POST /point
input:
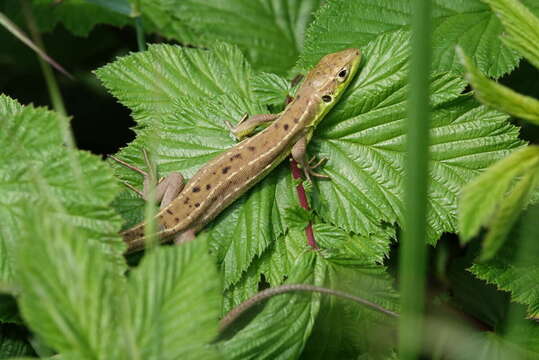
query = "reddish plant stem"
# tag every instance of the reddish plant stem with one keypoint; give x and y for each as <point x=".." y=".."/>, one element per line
<point x="296" y="174"/>
<point x="239" y="310"/>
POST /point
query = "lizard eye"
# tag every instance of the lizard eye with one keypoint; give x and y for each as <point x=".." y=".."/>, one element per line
<point x="341" y="76"/>
<point x="326" y="98"/>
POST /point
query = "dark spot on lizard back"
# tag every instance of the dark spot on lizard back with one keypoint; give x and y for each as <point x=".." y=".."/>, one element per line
<point x="225" y="169"/>
<point x="236" y="156"/>
<point x="196" y="189"/>
<point x="169" y="212"/>
<point x="197" y="204"/>
<point x="252" y="148"/>
<point x="186" y="200"/>
<point x="177" y="220"/>
<point x="208" y="187"/>
<point x="285" y="126"/>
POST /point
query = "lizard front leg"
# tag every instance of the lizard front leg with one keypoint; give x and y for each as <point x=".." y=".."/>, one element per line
<point x="248" y="124"/>
<point x="299" y="153"/>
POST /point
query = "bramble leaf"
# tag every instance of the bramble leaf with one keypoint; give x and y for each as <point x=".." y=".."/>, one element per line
<point x="174" y="305"/>
<point x="499" y="96"/>
<point x="69" y="290"/>
<point x="332" y="337"/>
<point x="281" y="329"/>
<point x="363" y="138"/>
<point x="496" y="197"/>
<point x="74" y="299"/>
<point x="468" y="23"/>
<point x="32" y="145"/>
<point x="78" y="16"/>
<point x="521" y="25"/>
<point x="271" y="89"/>
<point x="514" y="268"/>
<point x="275" y="27"/>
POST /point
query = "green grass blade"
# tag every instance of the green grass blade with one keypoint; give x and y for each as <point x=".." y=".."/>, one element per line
<point x="412" y="257"/>
<point x="19" y="34"/>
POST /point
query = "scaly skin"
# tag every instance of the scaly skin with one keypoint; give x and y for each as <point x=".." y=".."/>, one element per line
<point x="225" y="178"/>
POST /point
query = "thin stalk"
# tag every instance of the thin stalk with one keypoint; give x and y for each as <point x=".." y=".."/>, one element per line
<point x="413" y="247"/>
<point x="139" y="28"/>
<point x="55" y="96"/>
<point x="239" y="310"/>
<point x="52" y="85"/>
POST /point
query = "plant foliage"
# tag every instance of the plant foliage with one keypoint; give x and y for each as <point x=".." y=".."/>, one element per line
<point x="61" y="209"/>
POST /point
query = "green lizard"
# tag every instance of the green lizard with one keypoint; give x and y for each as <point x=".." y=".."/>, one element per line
<point x="224" y="179"/>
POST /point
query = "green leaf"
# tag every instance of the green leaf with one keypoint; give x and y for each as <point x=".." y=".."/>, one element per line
<point x="364" y="139"/>
<point x="174" y="305"/>
<point x="243" y="289"/>
<point x="297" y="217"/>
<point x="498" y="96"/>
<point x="31" y="144"/>
<point x="161" y="16"/>
<point x="515" y="268"/>
<point x="13" y="341"/>
<point x="275" y="28"/>
<point x="507" y="213"/>
<point x="345" y="329"/>
<point x="282" y="328"/>
<point x="149" y="82"/>
<point x="80" y="16"/>
<point x="74" y="299"/>
<point x="271" y="89"/>
<point x="279" y="260"/>
<point x="468" y="23"/>
<point x="521" y="26"/>
<point x="340" y="247"/>
<point x="68" y="289"/>
<point x="119" y="6"/>
<point x="495" y="198"/>
<point x="475" y="296"/>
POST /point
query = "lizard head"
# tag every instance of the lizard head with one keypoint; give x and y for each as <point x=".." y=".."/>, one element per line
<point x="330" y="77"/>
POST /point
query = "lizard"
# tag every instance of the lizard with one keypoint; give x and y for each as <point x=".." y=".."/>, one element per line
<point x="188" y="208"/>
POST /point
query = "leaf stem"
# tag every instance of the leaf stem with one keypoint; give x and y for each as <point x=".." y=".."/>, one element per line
<point x="239" y="310"/>
<point x="304" y="203"/>
<point x="139" y="28"/>
<point x="413" y="246"/>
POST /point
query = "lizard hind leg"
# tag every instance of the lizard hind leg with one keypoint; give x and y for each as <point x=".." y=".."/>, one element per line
<point x="166" y="190"/>
<point x="184" y="236"/>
